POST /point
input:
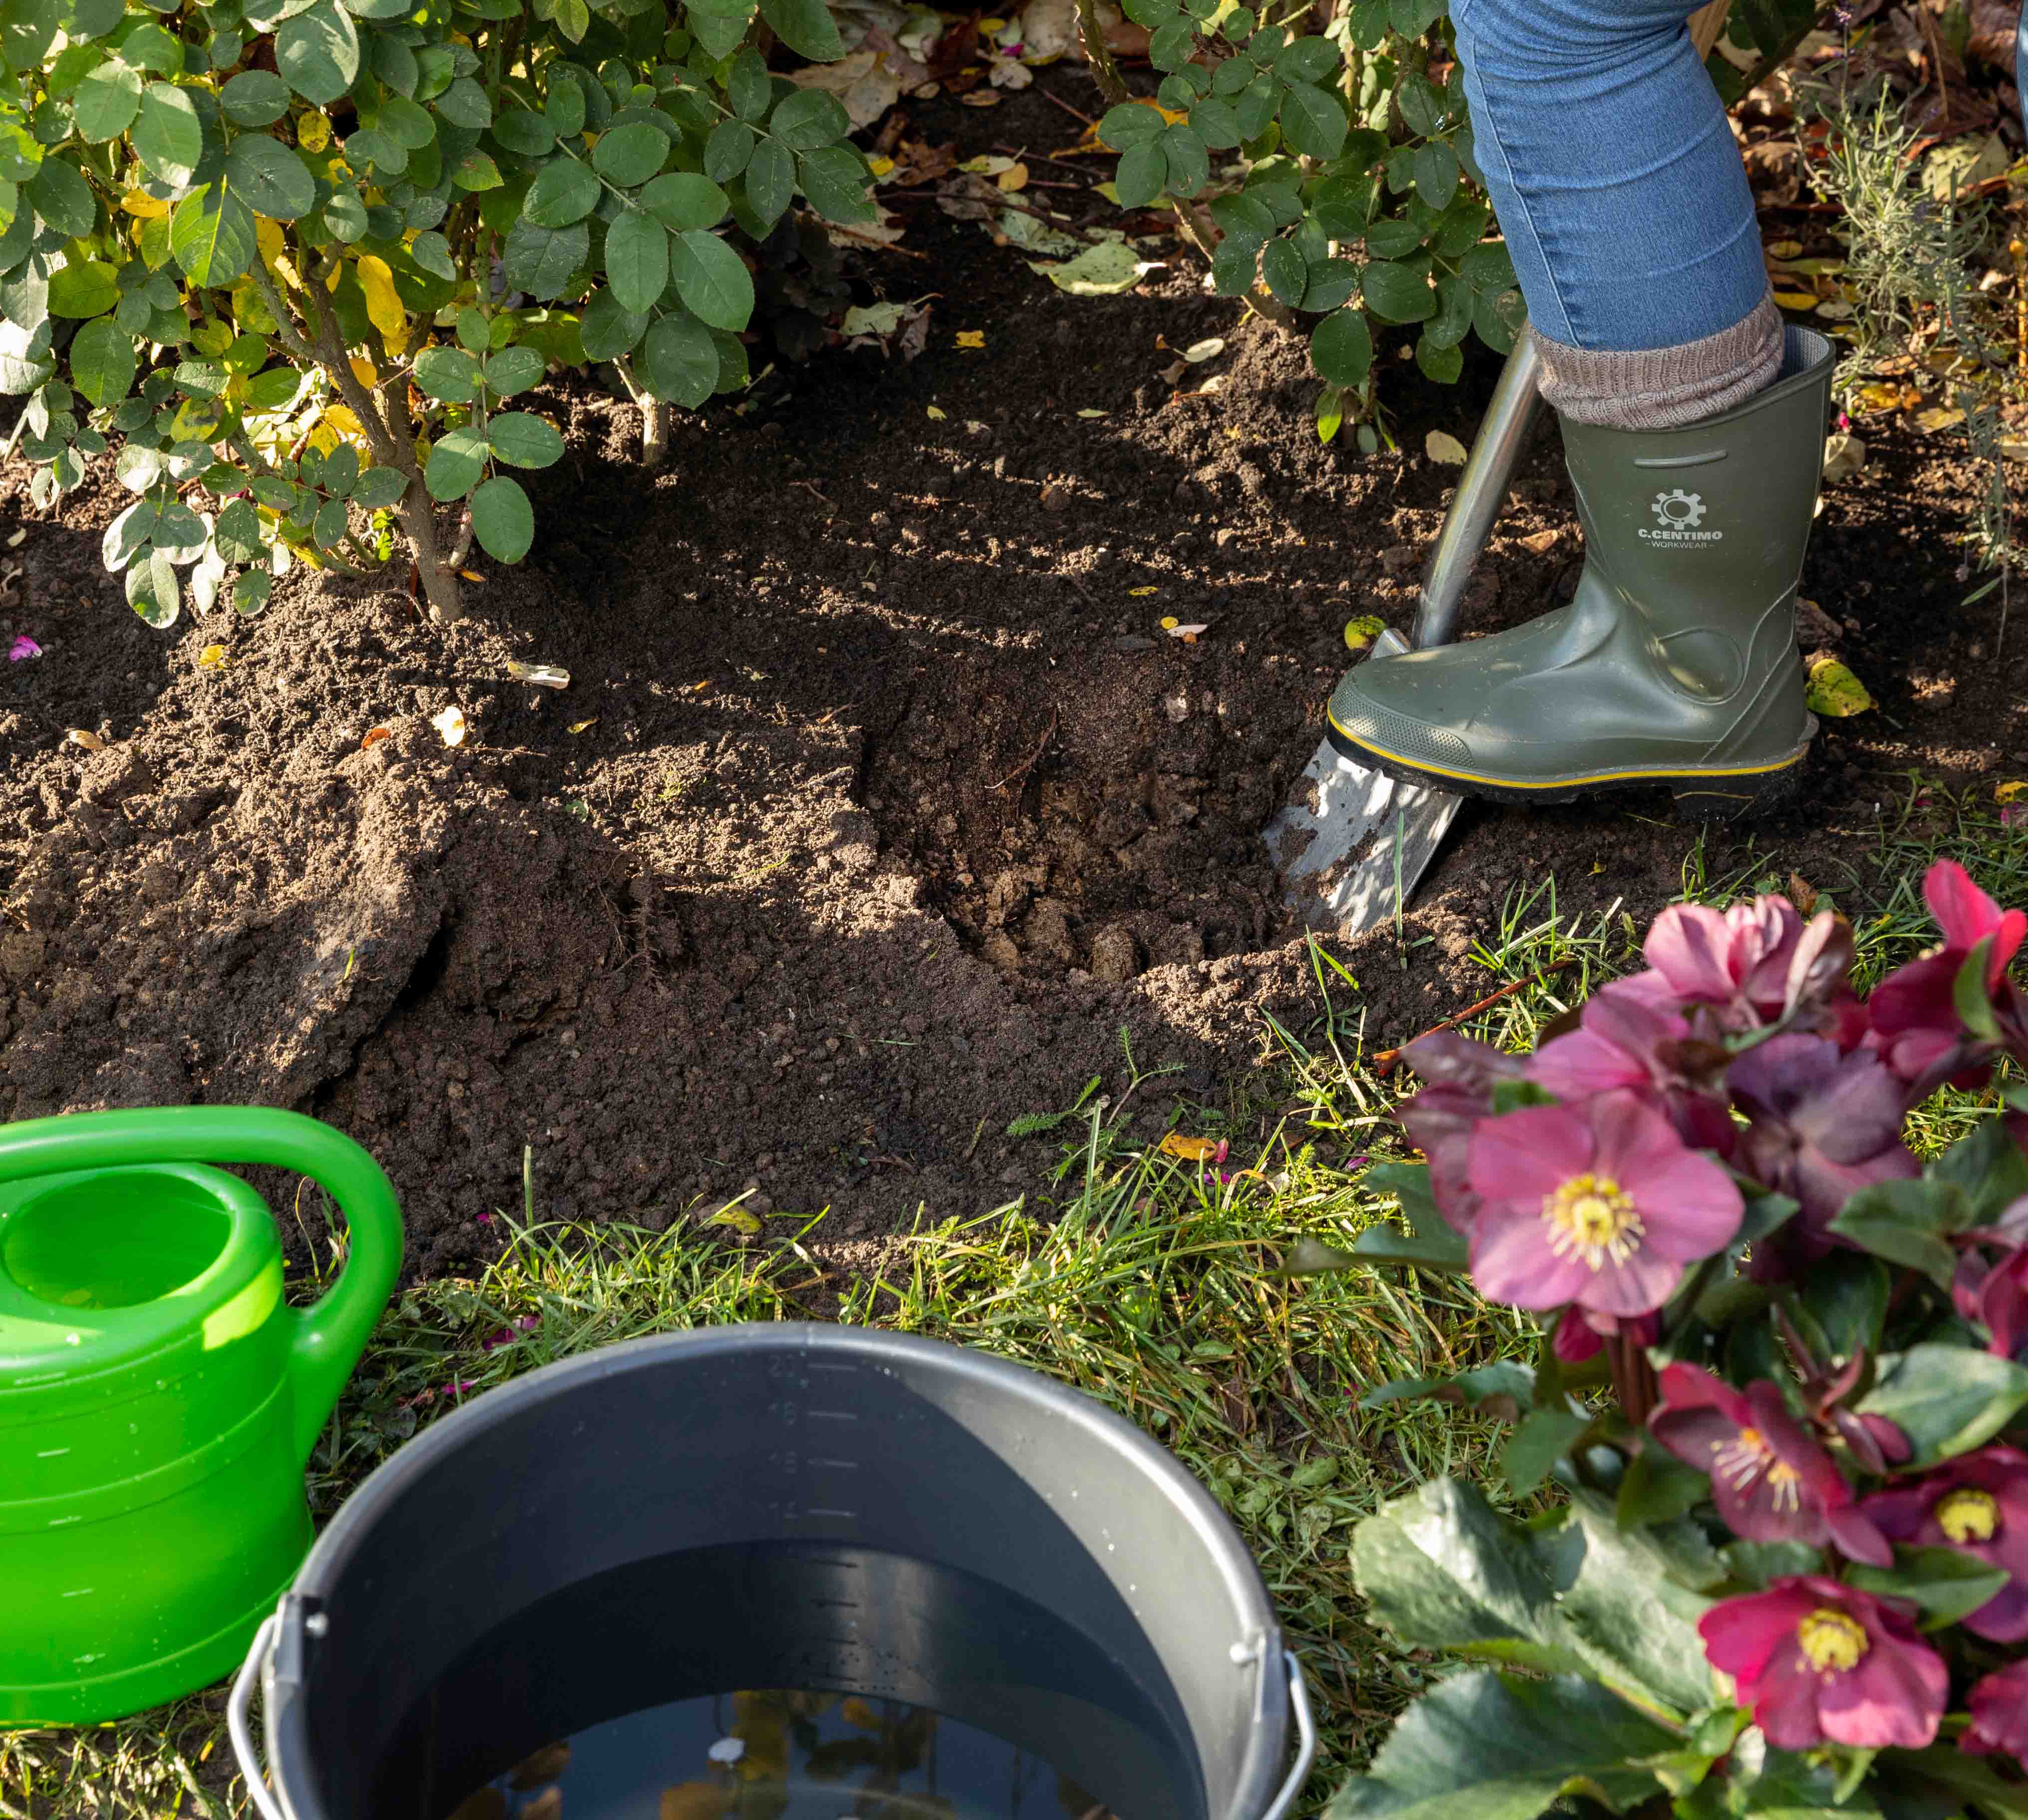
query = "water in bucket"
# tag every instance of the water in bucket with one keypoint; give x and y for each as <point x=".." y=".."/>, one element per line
<point x="775" y="1756"/>
<point x="985" y="1717"/>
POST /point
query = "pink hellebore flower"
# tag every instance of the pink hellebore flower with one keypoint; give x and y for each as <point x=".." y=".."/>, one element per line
<point x="1999" y="1713"/>
<point x="1578" y="1335"/>
<point x="23" y="649"/>
<point x="1461" y="1074"/>
<point x="1735" y="960"/>
<point x="1825" y="1124"/>
<point x="1977" y="1504"/>
<point x="1995" y="1296"/>
<point x="1915" y="1020"/>
<point x="1770" y="1480"/>
<point x="1598" y="1203"/>
<point x="1816" y="1659"/>
<point x="1626" y="1039"/>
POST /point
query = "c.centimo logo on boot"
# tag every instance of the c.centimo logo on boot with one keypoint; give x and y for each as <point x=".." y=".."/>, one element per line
<point x="1679" y="514"/>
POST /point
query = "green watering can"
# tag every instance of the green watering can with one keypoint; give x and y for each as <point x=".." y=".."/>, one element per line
<point x="158" y="1402"/>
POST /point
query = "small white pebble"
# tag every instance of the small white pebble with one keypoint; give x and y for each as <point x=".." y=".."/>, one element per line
<point x="727" y="1750"/>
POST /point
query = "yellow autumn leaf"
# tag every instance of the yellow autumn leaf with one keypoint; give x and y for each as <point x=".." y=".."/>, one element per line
<point x="364" y="371"/>
<point x="1190" y="1149"/>
<point x="880" y="167"/>
<point x="1784" y="248"/>
<point x="1795" y="299"/>
<point x="936" y="415"/>
<point x="1013" y="179"/>
<point x="2006" y="793"/>
<point x="1169" y="622"/>
<point x="1938" y="417"/>
<point x="1880" y="397"/>
<point x="1139" y="594"/>
<point x="313" y="132"/>
<point x="738" y="1219"/>
<point x="580" y="726"/>
<point x="143" y="207"/>
<point x="340" y="420"/>
<point x="211" y="656"/>
<point x="1834" y="691"/>
<point x="84" y="737"/>
<point x="383" y="307"/>
<point x="1361" y="632"/>
<point x="971" y="337"/>
<point x="693" y="1801"/>
<point x="450" y="726"/>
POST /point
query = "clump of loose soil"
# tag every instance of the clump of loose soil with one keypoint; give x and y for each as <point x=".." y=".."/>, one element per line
<point x="879" y="805"/>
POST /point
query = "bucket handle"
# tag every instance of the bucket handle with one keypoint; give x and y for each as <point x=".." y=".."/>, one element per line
<point x="241" y="1731"/>
<point x="261" y="1656"/>
<point x="1306" y="1744"/>
<point x="330" y="1335"/>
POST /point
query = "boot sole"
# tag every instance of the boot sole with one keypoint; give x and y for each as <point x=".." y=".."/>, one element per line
<point x="1722" y="794"/>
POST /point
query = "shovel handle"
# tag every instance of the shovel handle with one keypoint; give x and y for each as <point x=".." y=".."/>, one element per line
<point x="1495" y="452"/>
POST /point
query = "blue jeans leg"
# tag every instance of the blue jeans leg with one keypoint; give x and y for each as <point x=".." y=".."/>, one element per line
<point x="1612" y="169"/>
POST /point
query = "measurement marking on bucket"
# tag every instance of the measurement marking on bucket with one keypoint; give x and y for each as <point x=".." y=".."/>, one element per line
<point x="837" y="1465"/>
<point x="833" y="1415"/>
<point x="844" y="1516"/>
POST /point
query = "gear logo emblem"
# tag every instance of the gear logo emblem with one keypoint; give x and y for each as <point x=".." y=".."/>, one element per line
<point x="1677" y="510"/>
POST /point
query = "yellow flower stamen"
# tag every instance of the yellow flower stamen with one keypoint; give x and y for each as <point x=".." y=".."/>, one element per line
<point x="1746" y="1457"/>
<point x="1966" y="1515"/>
<point x="1592" y="1217"/>
<point x="1833" y="1642"/>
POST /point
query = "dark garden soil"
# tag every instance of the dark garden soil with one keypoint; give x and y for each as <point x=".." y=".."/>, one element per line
<point x="879" y="804"/>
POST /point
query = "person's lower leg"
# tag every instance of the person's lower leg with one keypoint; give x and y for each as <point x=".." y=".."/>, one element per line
<point x="1617" y="183"/>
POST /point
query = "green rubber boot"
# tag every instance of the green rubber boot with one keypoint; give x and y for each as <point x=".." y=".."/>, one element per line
<point x="1676" y="662"/>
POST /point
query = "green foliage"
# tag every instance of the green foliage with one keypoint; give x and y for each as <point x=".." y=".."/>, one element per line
<point x="297" y="258"/>
<point x="1354" y="199"/>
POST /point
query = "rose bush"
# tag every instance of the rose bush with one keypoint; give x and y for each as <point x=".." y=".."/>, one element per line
<point x="1777" y="1385"/>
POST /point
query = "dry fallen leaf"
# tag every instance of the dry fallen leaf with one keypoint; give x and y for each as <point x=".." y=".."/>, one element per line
<point x="375" y="735"/>
<point x="1802" y="894"/>
<point x="1833" y="690"/>
<point x="1441" y="446"/>
<point x="580" y="726"/>
<point x="980" y="97"/>
<point x="211" y="656"/>
<point x="1013" y="179"/>
<point x="1091" y="413"/>
<point x="20" y="538"/>
<point x="1795" y="299"/>
<point x="1843" y="456"/>
<point x="450" y="724"/>
<point x="90" y="742"/>
<point x="1540" y="543"/>
<point x="1170" y="621"/>
<point x="1190" y="1149"/>
<point x="971" y="337"/>
<point x="936" y="415"/>
<point x="2006" y="793"/>
<point x="541" y="676"/>
<point x="693" y="1801"/>
<point x="472" y="575"/>
<point x="738" y="1219"/>
<point x="1139" y="594"/>
<point x="1361" y="632"/>
<point x="1188" y="634"/>
<point x="1938" y="417"/>
<point x="1209" y="349"/>
<point x="1784" y="248"/>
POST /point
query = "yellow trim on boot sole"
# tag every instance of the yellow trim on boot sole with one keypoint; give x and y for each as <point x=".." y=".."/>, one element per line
<point x="1664" y="775"/>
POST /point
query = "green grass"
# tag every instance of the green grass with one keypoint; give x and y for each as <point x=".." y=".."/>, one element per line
<point x="1127" y="1273"/>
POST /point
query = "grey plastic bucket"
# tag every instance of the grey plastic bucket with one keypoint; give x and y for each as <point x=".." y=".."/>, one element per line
<point x="916" y="1465"/>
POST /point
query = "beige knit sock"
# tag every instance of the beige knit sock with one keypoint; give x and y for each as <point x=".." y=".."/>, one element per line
<point x="1661" y="388"/>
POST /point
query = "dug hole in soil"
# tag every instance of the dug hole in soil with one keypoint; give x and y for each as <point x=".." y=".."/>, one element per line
<point x="879" y="804"/>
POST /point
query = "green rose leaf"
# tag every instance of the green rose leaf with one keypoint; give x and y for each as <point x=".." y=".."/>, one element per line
<point x="608" y="331"/>
<point x="834" y="177"/>
<point x="523" y="131"/>
<point x="1501" y="1390"/>
<point x="810" y="118"/>
<point x="465" y="104"/>
<point x="85" y="287"/>
<point x="563" y="192"/>
<point x="254" y="97"/>
<point x="449" y="374"/>
<point x="1422" y="104"/>
<point x="1947" y="1400"/>
<point x="378" y="488"/>
<point x="238" y="531"/>
<point x="345" y="216"/>
<point x="1131" y="123"/>
<point x="1497" y="318"/>
<point x="317" y="52"/>
<point x="455" y="464"/>
<point x="1396" y="293"/>
<point x="1490" y="266"/>
<point x="153" y="590"/>
<point x="727" y="150"/>
<point x="273" y="179"/>
<point x="679" y="360"/>
<point x="541" y="261"/>
<point x="62" y="197"/>
<point x="770" y="182"/>
<point x="1313" y="120"/>
<point x="806" y="27"/>
<point x="106" y="101"/>
<point x="1498" y="1748"/>
<point x="1905" y="1223"/>
<point x="211" y="234"/>
<point x="630" y="155"/>
<point x="250" y="593"/>
<point x="1143" y="174"/>
<point x="513" y="370"/>
<point x="637" y="260"/>
<point x="1331" y="283"/>
<point x="1437" y="174"/>
<point x="681" y="200"/>
<point x="502" y="519"/>
<point x="167" y="137"/>
<point x="712" y="280"/>
<point x="524" y="439"/>
<point x="1286" y="272"/>
<point x="103" y="361"/>
<point x="1306" y="60"/>
<point x="1189" y="163"/>
<point x="749" y="86"/>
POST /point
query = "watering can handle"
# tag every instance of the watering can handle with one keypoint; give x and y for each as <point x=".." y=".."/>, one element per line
<point x="329" y="1336"/>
